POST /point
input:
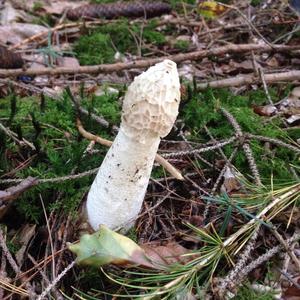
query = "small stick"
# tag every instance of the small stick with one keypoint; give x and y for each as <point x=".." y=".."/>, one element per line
<point x="262" y="76"/>
<point x="54" y="179"/>
<point x="12" y="262"/>
<point x="241" y="80"/>
<point x="14" y="191"/>
<point x="201" y="150"/>
<point x="164" y="163"/>
<point x="57" y="294"/>
<point x="50" y="238"/>
<point x="262" y="258"/>
<point x="286" y="247"/>
<point x="245" y="145"/>
<point x="56" y="280"/>
<point x="13" y="136"/>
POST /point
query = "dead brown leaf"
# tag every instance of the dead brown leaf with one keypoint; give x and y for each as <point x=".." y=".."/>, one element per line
<point x="231" y="183"/>
<point x="266" y="110"/>
<point x="292" y="292"/>
<point x="168" y="254"/>
<point x="26" y="235"/>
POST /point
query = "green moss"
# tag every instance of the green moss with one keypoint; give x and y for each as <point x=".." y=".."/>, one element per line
<point x="107" y="106"/>
<point x="12" y="246"/>
<point x="182" y="45"/>
<point x="177" y="3"/>
<point x="151" y="35"/>
<point x="100" y="45"/>
<point x="60" y="148"/>
<point x="45" y="19"/>
<point x="94" y="49"/>
<point x="247" y="293"/>
<point x="203" y="109"/>
<point x="158" y="172"/>
<point x="37" y="6"/>
<point x="255" y="2"/>
<point x="132" y="234"/>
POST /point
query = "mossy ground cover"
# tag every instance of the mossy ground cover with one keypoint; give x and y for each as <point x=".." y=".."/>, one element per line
<point x="60" y="150"/>
<point x="50" y="125"/>
<point x="246" y="292"/>
<point x="203" y="110"/>
<point x="100" y="45"/>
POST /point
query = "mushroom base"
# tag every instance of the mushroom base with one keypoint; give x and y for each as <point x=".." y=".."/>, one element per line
<point x="118" y="191"/>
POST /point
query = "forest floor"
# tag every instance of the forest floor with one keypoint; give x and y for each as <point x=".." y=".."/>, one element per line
<point x="230" y="229"/>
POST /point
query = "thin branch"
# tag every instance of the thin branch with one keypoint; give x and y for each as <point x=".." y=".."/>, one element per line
<point x="273" y="141"/>
<point x="14" y="191"/>
<point x="200" y="150"/>
<point x="286" y="247"/>
<point x="13" y="263"/>
<point x="241" y="80"/>
<point x="57" y="294"/>
<point x="13" y="136"/>
<point x="249" y="23"/>
<point x="289" y="278"/>
<point x="262" y="77"/>
<point x="230" y="279"/>
<point x="56" y="281"/>
<point x="265" y="257"/>
<point x="164" y="163"/>
<point x="220" y="177"/>
<point x="50" y="238"/>
<point x="55" y="179"/>
<point x="245" y="146"/>
<point x="145" y="63"/>
<point x="7" y="254"/>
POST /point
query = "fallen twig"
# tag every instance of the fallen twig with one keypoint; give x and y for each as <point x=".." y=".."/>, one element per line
<point x="56" y="280"/>
<point x="13" y="136"/>
<point x="214" y="146"/>
<point x="250" y="79"/>
<point x="230" y="279"/>
<point x="265" y="257"/>
<point x="245" y="145"/>
<point x="44" y="34"/>
<point x="57" y="294"/>
<point x="55" y="179"/>
<point x="13" y="263"/>
<point x="145" y="63"/>
<point x="286" y="247"/>
<point x="273" y="141"/>
<point x="14" y="191"/>
<point x="164" y="163"/>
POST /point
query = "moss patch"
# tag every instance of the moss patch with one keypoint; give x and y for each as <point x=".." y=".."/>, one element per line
<point x="203" y="110"/>
<point x="100" y="45"/>
<point x="246" y="293"/>
<point x="60" y="148"/>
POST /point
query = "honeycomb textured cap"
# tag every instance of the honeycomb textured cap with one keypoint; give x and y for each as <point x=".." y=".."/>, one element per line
<point x="151" y="103"/>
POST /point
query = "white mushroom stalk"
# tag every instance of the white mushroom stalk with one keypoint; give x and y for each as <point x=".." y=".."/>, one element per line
<point x="149" y="111"/>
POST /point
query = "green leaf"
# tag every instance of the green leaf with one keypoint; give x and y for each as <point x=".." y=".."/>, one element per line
<point x="211" y="9"/>
<point x="108" y="247"/>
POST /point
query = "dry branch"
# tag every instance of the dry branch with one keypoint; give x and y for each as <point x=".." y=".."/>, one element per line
<point x="250" y="79"/>
<point x="145" y="63"/>
<point x="163" y="162"/>
<point x="14" y="191"/>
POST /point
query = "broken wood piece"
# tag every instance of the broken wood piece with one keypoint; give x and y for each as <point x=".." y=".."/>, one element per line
<point x="14" y="191"/>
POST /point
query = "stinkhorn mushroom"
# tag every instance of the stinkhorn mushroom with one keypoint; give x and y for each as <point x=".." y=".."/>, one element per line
<point x="150" y="109"/>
